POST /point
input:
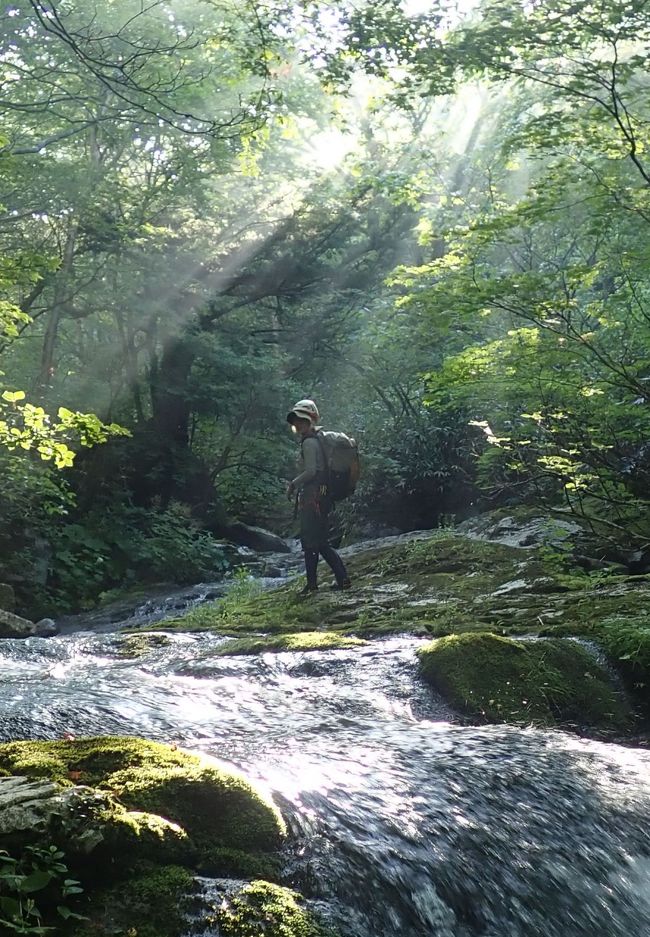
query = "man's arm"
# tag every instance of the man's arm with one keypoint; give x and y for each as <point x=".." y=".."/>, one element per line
<point x="310" y="464"/>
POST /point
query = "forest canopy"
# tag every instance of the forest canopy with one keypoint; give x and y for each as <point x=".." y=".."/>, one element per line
<point x="430" y="217"/>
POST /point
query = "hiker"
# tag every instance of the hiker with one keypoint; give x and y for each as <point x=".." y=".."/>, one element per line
<point x="314" y="498"/>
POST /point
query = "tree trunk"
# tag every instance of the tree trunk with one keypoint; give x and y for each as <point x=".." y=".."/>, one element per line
<point x="61" y="291"/>
<point x="169" y="392"/>
<point x="171" y="416"/>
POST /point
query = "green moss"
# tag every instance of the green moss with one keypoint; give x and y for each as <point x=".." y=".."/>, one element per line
<point x="218" y="862"/>
<point x="151" y="903"/>
<point x="263" y="908"/>
<point x="136" y="835"/>
<point x="137" y="645"/>
<point x="272" y="612"/>
<point x="547" y="682"/>
<point x="300" y="641"/>
<point x="447" y="568"/>
<point x="195" y="792"/>
<point x="214" y="806"/>
<point x="88" y="761"/>
<point x="625" y="641"/>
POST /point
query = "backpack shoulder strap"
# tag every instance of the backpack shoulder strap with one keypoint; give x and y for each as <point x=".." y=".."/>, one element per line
<point x="321" y="443"/>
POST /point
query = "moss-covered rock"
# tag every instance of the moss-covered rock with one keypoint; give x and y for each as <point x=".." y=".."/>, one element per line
<point x="625" y="641"/>
<point x="144" y="810"/>
<point x="397" y="586"/>
<point x="153" y="902"/>
<point x="444" y="584"/>
<point x="545" y="682"/>
<point x="299" y="641"/>
<point x="209" y="802"/>
<point x="133" y="646"/>
<point x="84" y="821"/>
<point x="263" y="908"/>
<point x="214" y="806"/>
<point x="154" y="801"/>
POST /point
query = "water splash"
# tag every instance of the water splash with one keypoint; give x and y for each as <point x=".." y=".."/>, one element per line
<point x="405" y="825"/>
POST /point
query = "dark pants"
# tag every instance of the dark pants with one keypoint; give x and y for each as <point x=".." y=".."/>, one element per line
<point x="315" y="509"/>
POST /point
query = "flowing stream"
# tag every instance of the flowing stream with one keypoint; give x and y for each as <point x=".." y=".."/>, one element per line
<point x="404" y="824"/>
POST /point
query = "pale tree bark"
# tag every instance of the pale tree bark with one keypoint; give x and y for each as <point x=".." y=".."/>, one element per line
<point x="61" y="295"/>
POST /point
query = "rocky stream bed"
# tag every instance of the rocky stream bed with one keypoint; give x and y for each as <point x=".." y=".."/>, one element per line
<point x="456" y="747"/>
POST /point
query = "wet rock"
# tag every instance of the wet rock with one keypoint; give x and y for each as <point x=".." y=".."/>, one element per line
<point x="520" y="529"/>
<point x="35" y="809"/>
<point x="543" y="585"/>
<point x="376" y="531"/>
<point x="385" y="543"/>
<point x="46" y="628"/>
<point x="638" y="561"/>
<point x="256" y="538"/>
<point x="13" y="626"/>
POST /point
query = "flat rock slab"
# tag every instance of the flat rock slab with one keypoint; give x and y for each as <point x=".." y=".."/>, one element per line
<point x="382" y="543"/>
<point x="519" y="532"/>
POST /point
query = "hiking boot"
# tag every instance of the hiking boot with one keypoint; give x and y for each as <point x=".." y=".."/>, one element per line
<point x="308" y="590"/>
<point x="340" y="586"/>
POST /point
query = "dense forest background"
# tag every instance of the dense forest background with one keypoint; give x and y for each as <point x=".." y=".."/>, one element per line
<point x="432" y="219"/>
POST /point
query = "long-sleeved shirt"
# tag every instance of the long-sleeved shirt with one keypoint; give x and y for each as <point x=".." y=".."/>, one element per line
<point x="313" y="463"/>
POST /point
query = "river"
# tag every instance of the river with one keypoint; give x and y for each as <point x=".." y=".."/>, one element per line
<point x="405" y="824"/>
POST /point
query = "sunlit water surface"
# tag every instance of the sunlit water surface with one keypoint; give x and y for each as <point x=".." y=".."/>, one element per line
<point x="404" y="825"/>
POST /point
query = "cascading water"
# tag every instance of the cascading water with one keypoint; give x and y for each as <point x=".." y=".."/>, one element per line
<point x="405" y="825"/>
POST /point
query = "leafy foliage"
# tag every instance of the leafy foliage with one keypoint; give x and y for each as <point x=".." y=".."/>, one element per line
<point x="467" y="293"/>
<point x="39" y="875"/>
<point x="119" y="544"/>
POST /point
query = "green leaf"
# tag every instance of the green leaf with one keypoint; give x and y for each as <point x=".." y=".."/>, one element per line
<point x="36" y="881"/>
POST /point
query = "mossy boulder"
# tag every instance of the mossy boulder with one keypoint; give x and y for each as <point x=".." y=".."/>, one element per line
<point x="133" y="646"/>
<point x="159" y="815"/>
<point x="83" y="820"/>
<point x="212" y="804"/>
<point x="153" y="902"/>
<point x="264" y="908"/>
<point x="543" y="682"/>
<point x="626" y="642"/>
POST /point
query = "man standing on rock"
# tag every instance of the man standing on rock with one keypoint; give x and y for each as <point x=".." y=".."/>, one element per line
<point x="314" y="501"/>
